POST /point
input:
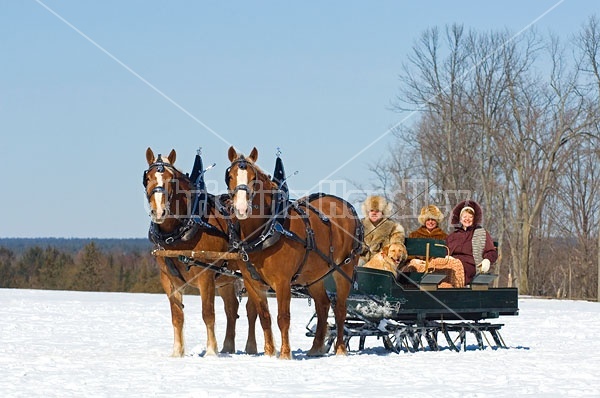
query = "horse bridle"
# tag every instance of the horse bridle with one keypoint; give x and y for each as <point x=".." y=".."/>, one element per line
<point x="242" y="164"/>
<point x="160" y="167"/>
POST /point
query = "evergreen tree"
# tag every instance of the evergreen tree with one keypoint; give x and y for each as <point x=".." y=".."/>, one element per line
<point x="7" y="272"/>
<point x="88" y="276"/>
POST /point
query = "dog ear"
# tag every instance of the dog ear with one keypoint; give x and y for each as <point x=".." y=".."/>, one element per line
<point x="385" y="249"/>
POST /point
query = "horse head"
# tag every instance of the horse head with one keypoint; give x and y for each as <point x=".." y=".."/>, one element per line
<point x="161" y="184"/>
<point x="245" y="180"/>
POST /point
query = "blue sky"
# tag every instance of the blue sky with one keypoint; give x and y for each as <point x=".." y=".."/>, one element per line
<point x="87" y="86"/>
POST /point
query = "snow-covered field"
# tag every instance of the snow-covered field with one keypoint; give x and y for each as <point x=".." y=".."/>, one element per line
<point x="80" y="344"/>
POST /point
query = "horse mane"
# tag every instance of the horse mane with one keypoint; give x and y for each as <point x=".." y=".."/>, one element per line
<point x="178" y="174"/>
<point x="265" y="178"/>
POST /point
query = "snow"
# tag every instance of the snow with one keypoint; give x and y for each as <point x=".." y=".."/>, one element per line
<point x="83" y="344"/>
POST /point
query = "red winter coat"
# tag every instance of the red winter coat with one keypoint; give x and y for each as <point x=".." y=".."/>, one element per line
<point x="460" y="242"/>
<point x="460" y="245"/>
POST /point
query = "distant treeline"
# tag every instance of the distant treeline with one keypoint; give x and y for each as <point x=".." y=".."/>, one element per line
<point x="73" y="245"/>
<point x="111" y="265"/>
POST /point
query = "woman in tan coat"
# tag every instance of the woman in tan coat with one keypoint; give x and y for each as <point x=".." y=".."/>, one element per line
<point x="430" y="219"/>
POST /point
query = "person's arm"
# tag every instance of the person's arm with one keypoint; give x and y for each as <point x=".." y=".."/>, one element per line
<point x="397" y="235"/>
<point x="489" y="250"/>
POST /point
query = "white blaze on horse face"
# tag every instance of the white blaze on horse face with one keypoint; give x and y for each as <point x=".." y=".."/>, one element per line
<point x="159" y="200"/>
<point x="240" y="199"/>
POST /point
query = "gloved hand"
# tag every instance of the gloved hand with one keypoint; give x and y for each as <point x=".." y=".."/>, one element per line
<point x="484" y="266"/>
<point x="449" y="258"/>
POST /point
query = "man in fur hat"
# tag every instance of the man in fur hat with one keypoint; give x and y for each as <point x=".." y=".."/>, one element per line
<point x="430" y="219"/>
<point x="470" y="242"/>
<point x="380" y="230"/>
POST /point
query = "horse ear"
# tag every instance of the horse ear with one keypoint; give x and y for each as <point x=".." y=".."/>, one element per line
<point x="253" y="155"/>
<point x="232" y="154"/>
<point x="149" y="156"/>
<point x="172" y="156"/>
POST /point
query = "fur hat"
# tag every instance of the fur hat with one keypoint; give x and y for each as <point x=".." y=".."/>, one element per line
<point x="467" y="204"/>
<point x="430" y="212"/>
<point x="376" y="202"/>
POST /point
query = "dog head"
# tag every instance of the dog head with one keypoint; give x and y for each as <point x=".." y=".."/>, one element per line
<point x="397" y="253"/>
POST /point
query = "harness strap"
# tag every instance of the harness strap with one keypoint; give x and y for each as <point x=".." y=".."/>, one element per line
<point x="173" y="270"/>
<point x="222" y="270"/>
<point x="183" y="232"/>
<point x="187" y="229"/>
<point x="310" y="236"/>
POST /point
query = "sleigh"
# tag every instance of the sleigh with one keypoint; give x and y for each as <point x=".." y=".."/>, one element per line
<point x="411" y="312"/>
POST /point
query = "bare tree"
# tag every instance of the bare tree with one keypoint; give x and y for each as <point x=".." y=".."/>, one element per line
<point x="588" y="42"/>
<point x="432" y="85"/>
<point x="492" y="123"/>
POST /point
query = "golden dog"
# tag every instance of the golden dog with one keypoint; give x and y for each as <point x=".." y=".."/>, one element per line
<point x="389" y="258"/>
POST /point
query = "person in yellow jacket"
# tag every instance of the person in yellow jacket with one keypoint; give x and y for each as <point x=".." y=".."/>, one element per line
<point x="379" y="229"/>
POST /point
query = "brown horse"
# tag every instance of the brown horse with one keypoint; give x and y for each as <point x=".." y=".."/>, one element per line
<point x="292" y="244"/>
<point x="171" y="200"/>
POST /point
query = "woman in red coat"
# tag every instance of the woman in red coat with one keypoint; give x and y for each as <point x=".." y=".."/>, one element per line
<point x="470" y="242"/>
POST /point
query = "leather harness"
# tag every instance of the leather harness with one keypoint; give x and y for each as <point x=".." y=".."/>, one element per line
<point x="274" y="229"/>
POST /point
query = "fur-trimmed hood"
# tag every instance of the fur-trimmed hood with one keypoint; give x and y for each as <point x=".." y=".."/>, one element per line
<point x="477" y="219"/>
<point x="430" y="212"/>
<point x="377" y="202"/>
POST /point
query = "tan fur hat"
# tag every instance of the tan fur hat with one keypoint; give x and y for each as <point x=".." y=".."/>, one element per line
<point x="376" y="202"/>
<point x="430" y="212"/>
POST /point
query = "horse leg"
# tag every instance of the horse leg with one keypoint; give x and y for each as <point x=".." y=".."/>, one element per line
<point x="206" y="285"/>
<point x="176" y="303"/>
<point x="261" y="306"/>
<point x="284" y="297"/>
<point x="342" y="291"/>
<point x="229" y="295"/>
<point x="322" y="305"/>
<point x="252" y="314"/>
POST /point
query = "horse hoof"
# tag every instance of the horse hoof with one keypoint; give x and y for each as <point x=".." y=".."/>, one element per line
<point x="212" y="352"/>
<point x="315" y="353"/>
<point x="269" y="352"/>
<point x="251" y="350"/>
<point x="228" y="349"/>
